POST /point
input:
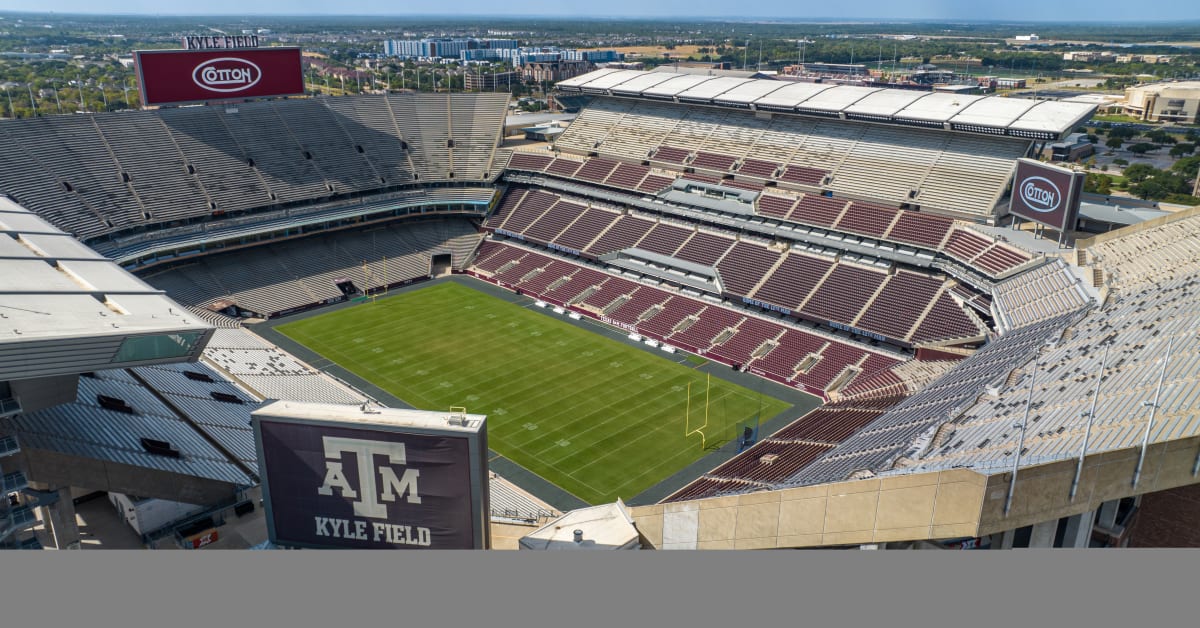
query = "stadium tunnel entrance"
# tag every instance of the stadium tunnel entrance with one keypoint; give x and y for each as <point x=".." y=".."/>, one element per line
<point x="347" y="287"/>
<point x="440" y="264"/>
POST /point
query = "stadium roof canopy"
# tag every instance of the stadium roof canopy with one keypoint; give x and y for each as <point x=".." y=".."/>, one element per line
<point x="638" y="84"/>
<point x="988" y="115"/>
<point x="55" y="290"/>
<point x="748" y="92"/>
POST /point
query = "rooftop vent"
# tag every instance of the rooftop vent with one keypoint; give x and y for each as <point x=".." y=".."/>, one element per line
<point x="226" y="397"/>
<point x="115" y="404"/>
<point x="159" y="448"/>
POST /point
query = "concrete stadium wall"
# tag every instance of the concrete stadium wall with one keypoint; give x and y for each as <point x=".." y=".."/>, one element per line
<point x="920" y="506"/>
<point x="943" y="504"/>
<point x="1138" y="228"/>
<point x="1043" y="492"/>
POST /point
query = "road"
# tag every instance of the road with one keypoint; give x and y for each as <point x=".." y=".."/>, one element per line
<point x="1138" y="126"/>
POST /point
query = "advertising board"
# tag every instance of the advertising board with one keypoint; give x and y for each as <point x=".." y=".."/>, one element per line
<point x="168" y="77"/>
<point x="1046" y="194"/>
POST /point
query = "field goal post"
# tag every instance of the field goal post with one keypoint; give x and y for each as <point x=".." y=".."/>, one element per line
<point x="688" y="414"/>
<point x="370" y="275"/>
<point x="367" y="274"/>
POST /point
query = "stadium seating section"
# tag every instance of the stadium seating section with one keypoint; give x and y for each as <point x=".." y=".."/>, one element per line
<point x="903" y="305"/>
<point x="924" y="167"/>
<point x="956" y="240"/>
<point x="94" y="175"/>
<point x="779" y="456"/>
<point x="267" y="280"/>
<point x="1039" y="294"/>
<point x="771" y="348"/>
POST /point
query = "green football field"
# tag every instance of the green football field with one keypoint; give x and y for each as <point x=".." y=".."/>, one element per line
<point x="597" y="417"/>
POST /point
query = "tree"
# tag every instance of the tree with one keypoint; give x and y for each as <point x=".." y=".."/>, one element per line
<point x="1179" y="150"/>
<point x="1141" y="148"/>
<point x="1097" y="183"/>
<point x="1120" y="162"/>
<point x="1093" y="138"/>
<point x="1114" y="142"/>
<point x="1148" y="189"/>
<point x="1122" y="132"/>
<point x="1187" y="167"/>
<point x="1160" y="136"/>
<point x="1140" y="172"/>
<point x="1152" y="184"/>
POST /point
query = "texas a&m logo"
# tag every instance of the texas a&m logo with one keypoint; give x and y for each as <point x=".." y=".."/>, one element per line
<point x="369" y="501"/>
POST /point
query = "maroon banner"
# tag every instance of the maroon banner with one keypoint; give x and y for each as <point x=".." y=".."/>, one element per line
<point x="1046" y="194"/>
<point x="168" y="77"/>
<point x="197" y="541"/>
<point x="347" y="488"/>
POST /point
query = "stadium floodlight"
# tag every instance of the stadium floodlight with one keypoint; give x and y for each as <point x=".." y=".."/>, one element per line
<point x="1012" y="482"/>
<point x="1153" y="405"/>
<point x="1091" y="417"/>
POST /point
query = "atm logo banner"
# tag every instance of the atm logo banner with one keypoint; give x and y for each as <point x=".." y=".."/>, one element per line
<point x="358" y="488"/>
<point x="187" y="76"/>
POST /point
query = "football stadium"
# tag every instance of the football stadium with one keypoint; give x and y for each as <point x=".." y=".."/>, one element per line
<point x="713" y="313"/>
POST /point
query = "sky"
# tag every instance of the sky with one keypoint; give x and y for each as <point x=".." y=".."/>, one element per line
<point x="1008" y="10"/>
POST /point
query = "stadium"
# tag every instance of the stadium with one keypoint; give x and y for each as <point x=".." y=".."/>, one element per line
<point x="715" y="313"/>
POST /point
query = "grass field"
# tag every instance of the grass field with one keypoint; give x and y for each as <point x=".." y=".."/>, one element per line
<point x="681" y="52"/>
<point x="597" y="417"/>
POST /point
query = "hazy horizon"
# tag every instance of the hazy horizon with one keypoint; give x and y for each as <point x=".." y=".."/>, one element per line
<point x="1015" y="11"/>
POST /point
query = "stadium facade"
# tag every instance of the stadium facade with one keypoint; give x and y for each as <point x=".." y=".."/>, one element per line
<point x="833" y="239"/>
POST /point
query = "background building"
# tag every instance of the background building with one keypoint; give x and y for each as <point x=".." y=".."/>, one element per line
<point x="1074" y="148"/>
<point x="445" y="47"/>
<point x="560" y="70"/>
<point x="490" y="81"/>
<point x="1164" y="102"/>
